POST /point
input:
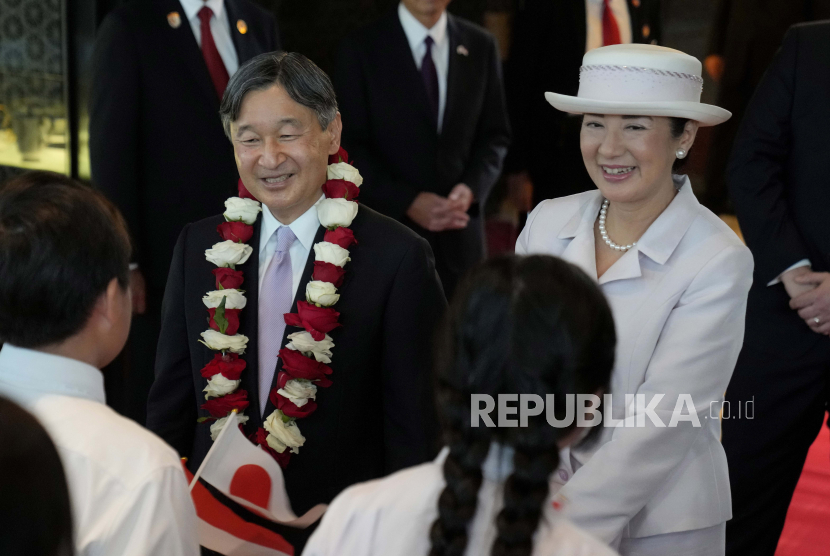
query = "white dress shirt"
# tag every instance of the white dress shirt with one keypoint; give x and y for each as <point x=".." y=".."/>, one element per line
<point x="304" y="228"/>
<point x="416" y="33"/>
<point x="679" y="303"/>
<point x="593" y="13"/>
<point x="129" y="493"/>
<point x="220" y="28"/>
<point x="393" y="516"/>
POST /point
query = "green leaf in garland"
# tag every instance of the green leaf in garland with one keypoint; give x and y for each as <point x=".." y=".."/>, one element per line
<point x="201" y="420"/>
<point x="219" y="316"/>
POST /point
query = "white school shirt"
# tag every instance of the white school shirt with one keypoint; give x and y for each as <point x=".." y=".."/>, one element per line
<point x="220" y="28"/>
<point x="304" y="228"/>
<point x="393" y="516"/>
<point x="128" y="490"/>
<point x="593" y="15"/>
<point x="416" y="33"/>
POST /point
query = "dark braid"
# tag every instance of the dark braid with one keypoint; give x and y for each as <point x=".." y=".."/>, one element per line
<point x="526" y="325"/>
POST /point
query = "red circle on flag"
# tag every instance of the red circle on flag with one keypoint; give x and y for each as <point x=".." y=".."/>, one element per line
<point x="252" y="483"/>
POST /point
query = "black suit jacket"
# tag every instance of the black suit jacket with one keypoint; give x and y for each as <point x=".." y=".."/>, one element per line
<point x="777" y="177"/>
<point x="389" y="132"/>
<point x="548" y="45"/>
<point x="378" y="415"/>
<point x="156" y="141"/>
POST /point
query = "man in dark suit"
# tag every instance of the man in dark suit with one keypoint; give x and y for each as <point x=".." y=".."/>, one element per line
<point x="156" y="143"/>
<point x="377" y="416"/>
<point x="424" y="117"/>
<point x="549" y="41"/>
<point x="744" y="39"/>
<point x="778" y="394"/>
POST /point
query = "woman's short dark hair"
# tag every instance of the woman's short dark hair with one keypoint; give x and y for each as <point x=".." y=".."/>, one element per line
<point x="517" y="325"/>
<point x="61" y="244"/>
<point x="35" y="513"/>
<point x="302" y="80"/>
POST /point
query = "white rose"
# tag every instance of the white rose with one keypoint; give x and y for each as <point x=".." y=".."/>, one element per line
<point x="221" y="342"/>
<point x="287" y="434"/>
<point x="344" y="171"/>
<point x="234" y="299"/>
<point x="229" y="252"/>
<point x="245" y="210"/>
<point x="302" y="341"/>
<point x="322" y="293"/>
<point x="331" y="253"/>
<point x="218" y="386"/>
<point x="219" y="424"/>
<point x="299" y="391"/>
<point x="336" y="212"/>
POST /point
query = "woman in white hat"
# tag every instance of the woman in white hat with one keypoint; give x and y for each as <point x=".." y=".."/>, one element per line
<point x="677" y="279"/>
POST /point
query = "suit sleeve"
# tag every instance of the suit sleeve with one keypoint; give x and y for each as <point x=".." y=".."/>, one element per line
<point x="756" y="174"/>
<point x="381" y="190"/>
<point x="695" y="355"/>
<point x="413" y="309"/>
<point x="171" y="411"/>
<point x="492" y="133"/>
<point x="114" y="119"/>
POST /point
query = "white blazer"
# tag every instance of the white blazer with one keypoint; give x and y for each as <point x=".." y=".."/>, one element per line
<point x="679" y="302"/>
<point x="393" y="516"/>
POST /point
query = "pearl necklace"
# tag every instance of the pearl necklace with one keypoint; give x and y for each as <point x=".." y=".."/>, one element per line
<point x="604" y="233"/>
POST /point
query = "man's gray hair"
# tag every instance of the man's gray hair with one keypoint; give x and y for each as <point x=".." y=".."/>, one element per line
<point x="304" y="82"/>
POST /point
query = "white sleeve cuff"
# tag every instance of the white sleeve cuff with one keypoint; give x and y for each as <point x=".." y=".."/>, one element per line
<point x="799" y="264"/>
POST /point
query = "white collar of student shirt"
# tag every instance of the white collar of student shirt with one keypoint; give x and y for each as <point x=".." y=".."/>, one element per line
<point x="39" y="373"/>
<point x="657" y="243"/>
<point x="191" y="8"/>
<point x="415" y="30"/>
<point x="304" y="228"/>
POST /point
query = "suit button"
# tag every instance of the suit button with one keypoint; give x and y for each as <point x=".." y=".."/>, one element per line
<point x="563" y="474"/>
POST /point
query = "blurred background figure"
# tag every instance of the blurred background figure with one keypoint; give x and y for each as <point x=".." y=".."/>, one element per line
<point x="157" y="146"/>
<point x="744" y="38"/>
<point x="549" y="40"/>
<point x="778" y="180"/>
<point x="424" y="118"/>
<point x="518" y="325"/>
<point x="35" y="513"/>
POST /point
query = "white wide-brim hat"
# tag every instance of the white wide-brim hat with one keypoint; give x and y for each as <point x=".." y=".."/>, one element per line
<point x="640" y="80"/>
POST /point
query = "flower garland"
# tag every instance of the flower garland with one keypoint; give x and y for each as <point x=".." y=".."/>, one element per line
<point x="306" y="357"/>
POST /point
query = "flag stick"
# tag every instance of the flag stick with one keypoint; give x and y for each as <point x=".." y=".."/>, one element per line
<point x="231" y="420"/>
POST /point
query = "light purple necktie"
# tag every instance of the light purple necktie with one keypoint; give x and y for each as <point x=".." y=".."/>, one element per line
<point x="430" y="76"/>
<point x="275" y="299"/>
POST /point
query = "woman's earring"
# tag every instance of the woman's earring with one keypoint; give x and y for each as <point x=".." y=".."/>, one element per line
<point x="681" y="153"/>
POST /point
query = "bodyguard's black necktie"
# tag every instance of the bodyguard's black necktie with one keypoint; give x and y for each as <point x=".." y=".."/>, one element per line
<point x="430" y="77"/>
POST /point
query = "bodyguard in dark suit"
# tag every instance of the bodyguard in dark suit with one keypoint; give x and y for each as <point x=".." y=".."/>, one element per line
<point x="377" y="415"/>
<point x="156" y="143"/>
<point x="778" y="180"/>
<point x="426" y="124"/>
<point x="549" y="41"/>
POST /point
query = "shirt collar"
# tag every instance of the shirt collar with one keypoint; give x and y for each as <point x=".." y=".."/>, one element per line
<point x="416" y="32"/>
<point x="304" y="228"/>
<point x="664" y="234"/>
<point x="28" y="372"/>
<point x="191" y="7"/>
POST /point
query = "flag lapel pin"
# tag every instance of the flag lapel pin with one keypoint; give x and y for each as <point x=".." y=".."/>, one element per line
<point x="174" y="20"/>
<point x="241" y="26"/>
<point x="462" y="50"/>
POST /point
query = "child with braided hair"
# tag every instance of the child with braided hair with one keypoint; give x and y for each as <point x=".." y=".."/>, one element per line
<point x="518" y="325"/>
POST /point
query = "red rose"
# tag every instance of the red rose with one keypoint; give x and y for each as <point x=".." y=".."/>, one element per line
<point x="228" y="279"/>
<point x="343" y="237"/>
<point x="337" y="189"/>
<point x="243" y="191"/>
<point x="220" y="407"/>
<point x="327" y="272"/>
<point x="261" y="437"/>
<point x="290" y="408"/>
<point x="238" y="232"/>
<point x="299" y="366"/>
<point x="339" y="156"/>
<point x="233" y="321"/>
<point x="230" y="365"/>
<point x="316" y="320"/>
